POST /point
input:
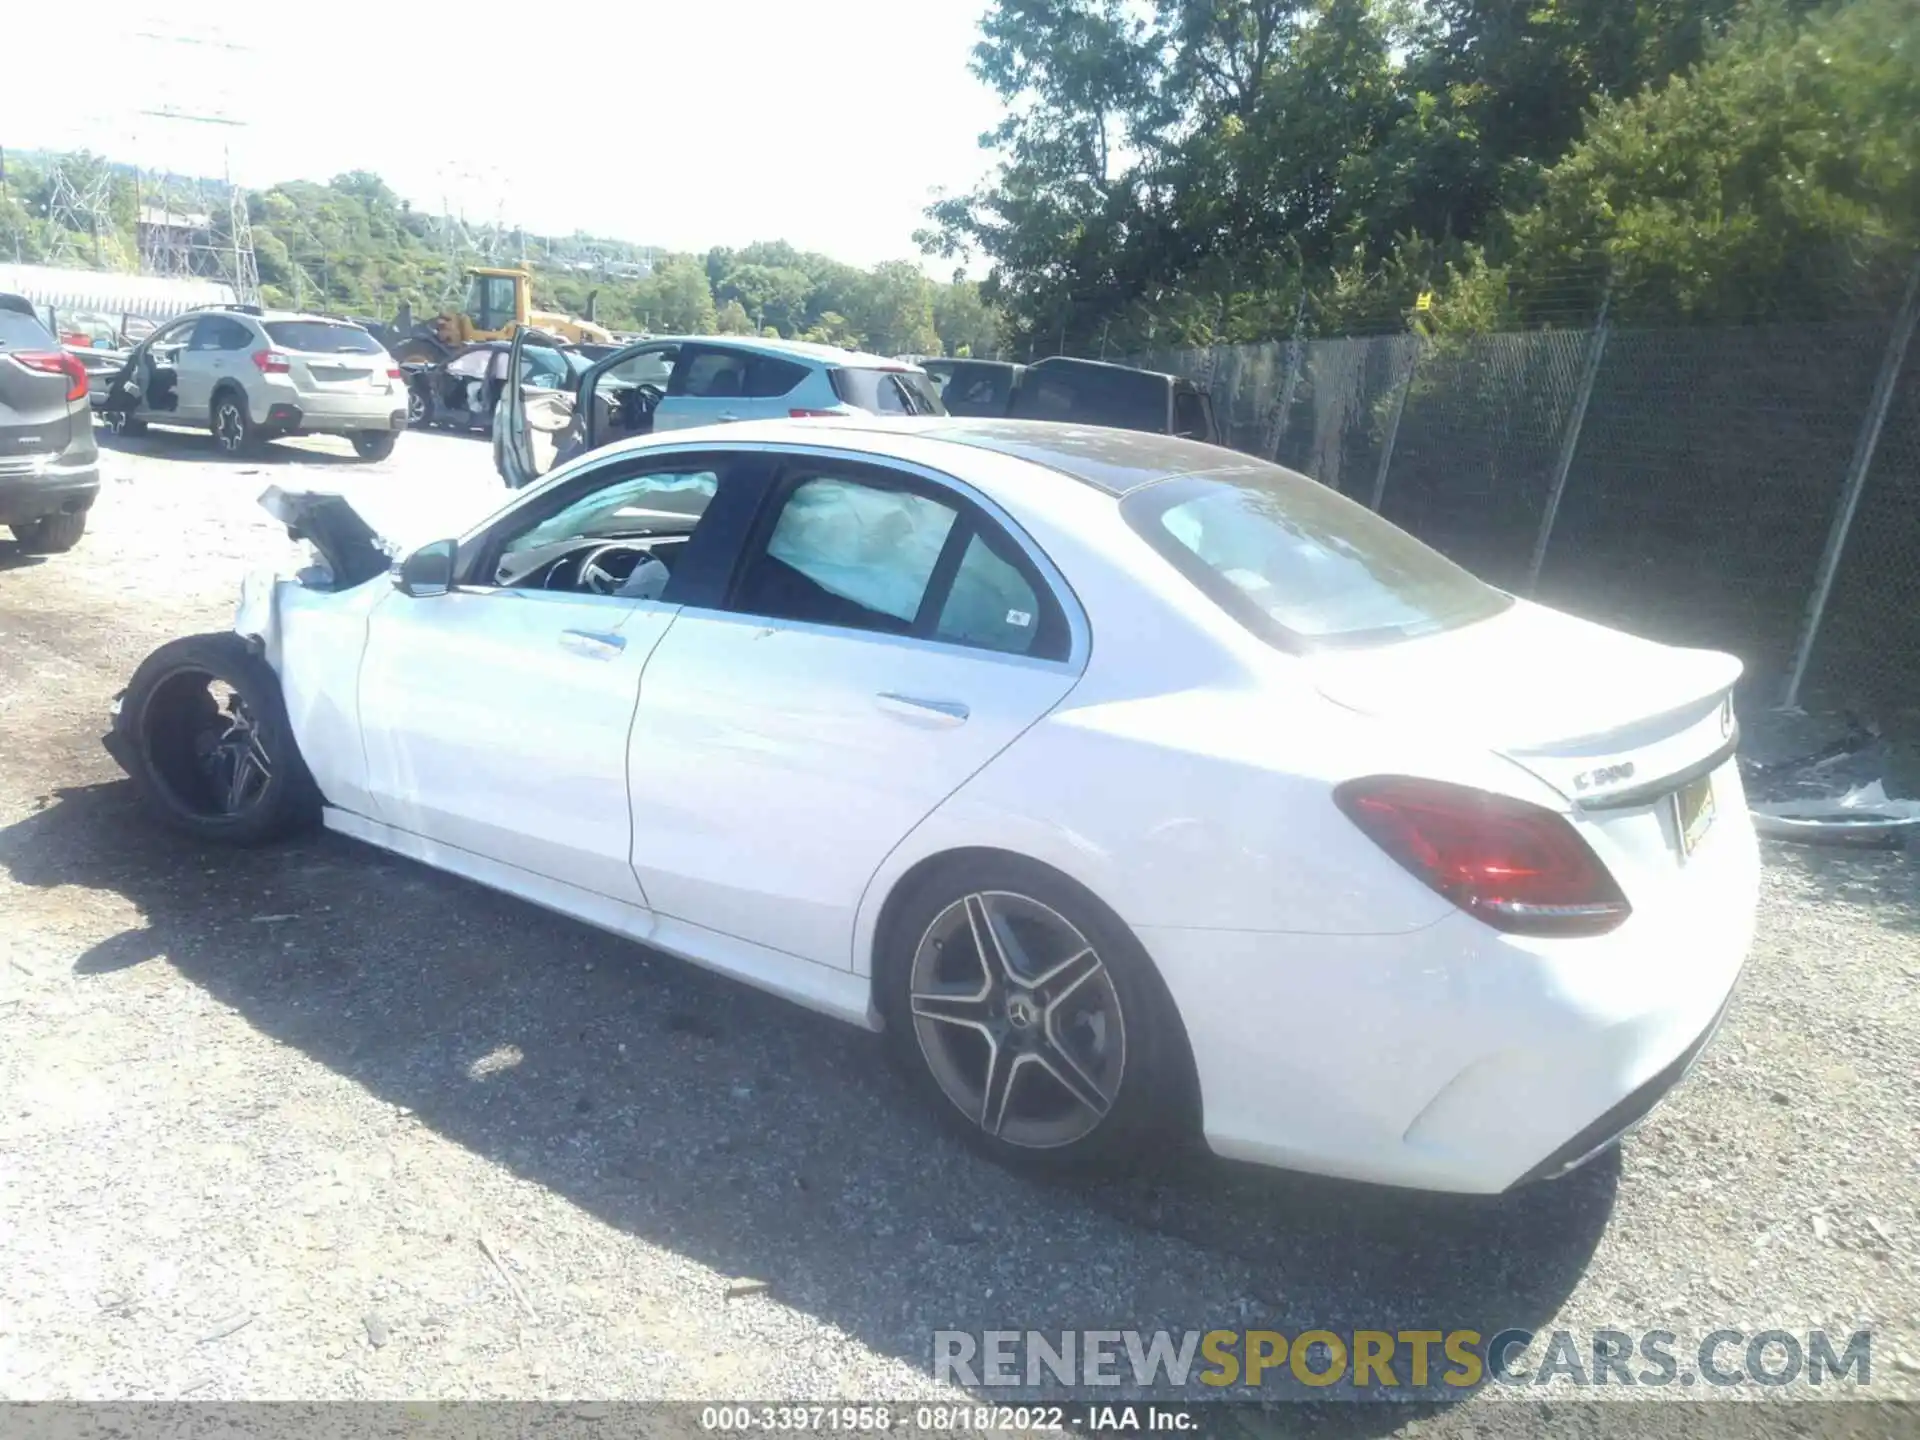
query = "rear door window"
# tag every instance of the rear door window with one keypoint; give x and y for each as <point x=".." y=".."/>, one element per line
<point x="712" y="374"/>
<point x="992" y="604"/>
<point x="217" y="332"/>
<point x="769" y="377"/>
<point x="862" y="548"/>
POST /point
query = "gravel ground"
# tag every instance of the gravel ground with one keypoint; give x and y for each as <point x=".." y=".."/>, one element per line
<point x="318" y="1123"/>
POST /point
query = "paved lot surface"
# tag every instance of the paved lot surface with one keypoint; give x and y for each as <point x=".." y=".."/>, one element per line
<point x="314" y="1122"/>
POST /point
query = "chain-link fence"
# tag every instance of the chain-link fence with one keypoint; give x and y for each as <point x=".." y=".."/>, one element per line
<point x="1686" y="484"/>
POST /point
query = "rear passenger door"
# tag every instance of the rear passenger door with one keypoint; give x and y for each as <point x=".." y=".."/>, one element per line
<point x="715" y="385"/>
<point x="218" y="347"/>
<point x="883" y="638"/>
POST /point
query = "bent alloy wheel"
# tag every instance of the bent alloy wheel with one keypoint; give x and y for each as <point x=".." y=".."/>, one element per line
<point x="1033" y="1021"/>
<point x="1018" y="1019"/>
<point x="203" y="733"/>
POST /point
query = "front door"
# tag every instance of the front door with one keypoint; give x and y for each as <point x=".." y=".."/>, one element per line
<point x="496" y="716"/>
<point x="883" y="640"/>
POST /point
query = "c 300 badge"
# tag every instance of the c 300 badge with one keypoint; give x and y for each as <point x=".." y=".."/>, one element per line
<point x="1605" y="775"/>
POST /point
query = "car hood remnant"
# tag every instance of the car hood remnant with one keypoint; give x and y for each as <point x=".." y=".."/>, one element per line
<point x="348" y="545"/>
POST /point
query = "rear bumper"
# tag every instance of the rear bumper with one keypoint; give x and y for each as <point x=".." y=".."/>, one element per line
<point x="333" y="414"/>
<point x="27" y="496"/>
<point x="1457" y="1058"/>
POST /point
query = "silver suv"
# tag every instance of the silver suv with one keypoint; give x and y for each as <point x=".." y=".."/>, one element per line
<point x="249" y="375"/>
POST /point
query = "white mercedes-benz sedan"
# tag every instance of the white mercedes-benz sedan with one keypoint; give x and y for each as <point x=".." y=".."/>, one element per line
<point x="1133" y="787"/>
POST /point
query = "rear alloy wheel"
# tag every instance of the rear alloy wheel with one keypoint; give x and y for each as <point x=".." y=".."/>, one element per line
<point x="233" y="432"/>
<point x="373" y="444"/>
<point x="1035" y="1019"/>
<point x="121" y="422"/>
<point x="203" y="733"/>
<point x="52" y="534"/>
<point x="418" y="409"/>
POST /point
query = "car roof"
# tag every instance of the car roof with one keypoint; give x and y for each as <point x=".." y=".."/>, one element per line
<point x="788" y="349"/>
<point x="1114" y="462"/>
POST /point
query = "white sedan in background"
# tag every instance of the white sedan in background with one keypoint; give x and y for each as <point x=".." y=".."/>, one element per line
<point x="1134" y="787"/>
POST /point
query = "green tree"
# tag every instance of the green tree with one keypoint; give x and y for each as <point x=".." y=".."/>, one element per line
<point x="894" y="311"/>
<point x="676" y="298"/>
<point x="1778" y="175"/>
<point x="733" y="320"/>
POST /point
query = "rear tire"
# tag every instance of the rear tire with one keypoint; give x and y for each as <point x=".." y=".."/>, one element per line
<point x="219" y="768"/>
<point x="233" y="429"/>
<point x="1106" y="1023"/>
<point x="373" y="444"/>
<point x="419" y="408"/>
<point x="119" y="422"/>
<point x="52" y="534"/>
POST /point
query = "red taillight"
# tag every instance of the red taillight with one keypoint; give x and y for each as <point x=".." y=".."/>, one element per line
<point x="1516" y="866"/>
<point x="57" y="362"/>
<point x="811" y="414"/>
<point x="393" y="372"/>
<point x="272" y="362"/>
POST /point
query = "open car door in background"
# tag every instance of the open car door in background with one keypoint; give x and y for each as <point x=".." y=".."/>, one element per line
<point x="537" y="411"/>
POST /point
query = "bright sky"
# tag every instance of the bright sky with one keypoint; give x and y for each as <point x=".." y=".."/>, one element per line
<point x="679" y="123"/>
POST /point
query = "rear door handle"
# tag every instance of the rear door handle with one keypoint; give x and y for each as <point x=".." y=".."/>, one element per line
<point x="593" y="644"/>
<point x="922" y="710"/>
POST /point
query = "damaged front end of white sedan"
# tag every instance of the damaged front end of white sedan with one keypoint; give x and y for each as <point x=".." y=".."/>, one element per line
<point x="203" y="727"/>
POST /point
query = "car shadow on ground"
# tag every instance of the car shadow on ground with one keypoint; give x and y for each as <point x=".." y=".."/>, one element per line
<point x="764" y="1141"/>
<point x="13" y="557"/>
<point x="197" y="447"/>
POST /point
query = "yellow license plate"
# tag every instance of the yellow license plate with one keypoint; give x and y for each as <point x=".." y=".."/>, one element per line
<point x="1693" y="812"/>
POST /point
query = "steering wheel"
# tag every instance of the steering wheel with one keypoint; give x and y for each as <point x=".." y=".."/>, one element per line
<point x="602" y="573"/>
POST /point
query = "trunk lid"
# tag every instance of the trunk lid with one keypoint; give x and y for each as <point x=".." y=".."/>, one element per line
<point x="329" y="357"/>
<point x="1609" y="720"/>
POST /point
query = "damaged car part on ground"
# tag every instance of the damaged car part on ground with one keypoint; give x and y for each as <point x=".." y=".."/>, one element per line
<point x="1134" y="788"/>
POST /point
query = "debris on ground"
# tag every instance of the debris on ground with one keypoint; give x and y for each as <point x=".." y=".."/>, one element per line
<point x="226" y="1327"/>
<point x="1864" y="815"/>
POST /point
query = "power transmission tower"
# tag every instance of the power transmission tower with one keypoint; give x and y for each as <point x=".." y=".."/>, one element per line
<point x="75" y="211"/>
<point x="193" y="225"/>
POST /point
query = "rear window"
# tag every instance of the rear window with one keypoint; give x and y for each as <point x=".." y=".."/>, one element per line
<point x="888" y="392"/>
<point x="1302" y="566"/>
<point x="323" y="338"/>
<point x="23" y="332"/>
<point x="1113" y="396"/>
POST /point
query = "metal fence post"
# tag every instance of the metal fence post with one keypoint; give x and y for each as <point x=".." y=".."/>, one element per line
<point x="1570" y="441"/>
<point x="1858" y="467"/>
<point x="1393" y="426"/>
<point x="1296" y="349"/>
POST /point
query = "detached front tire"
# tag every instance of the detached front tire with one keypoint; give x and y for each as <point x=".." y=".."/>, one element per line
<point x="1034" y="1022"/>
<point x="203" y="733"/>
<point x="52" y="534"/>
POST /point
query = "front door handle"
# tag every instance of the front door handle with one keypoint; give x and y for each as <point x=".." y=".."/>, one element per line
<point x="922" y="710"/>
<point x="593" y="644"/>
